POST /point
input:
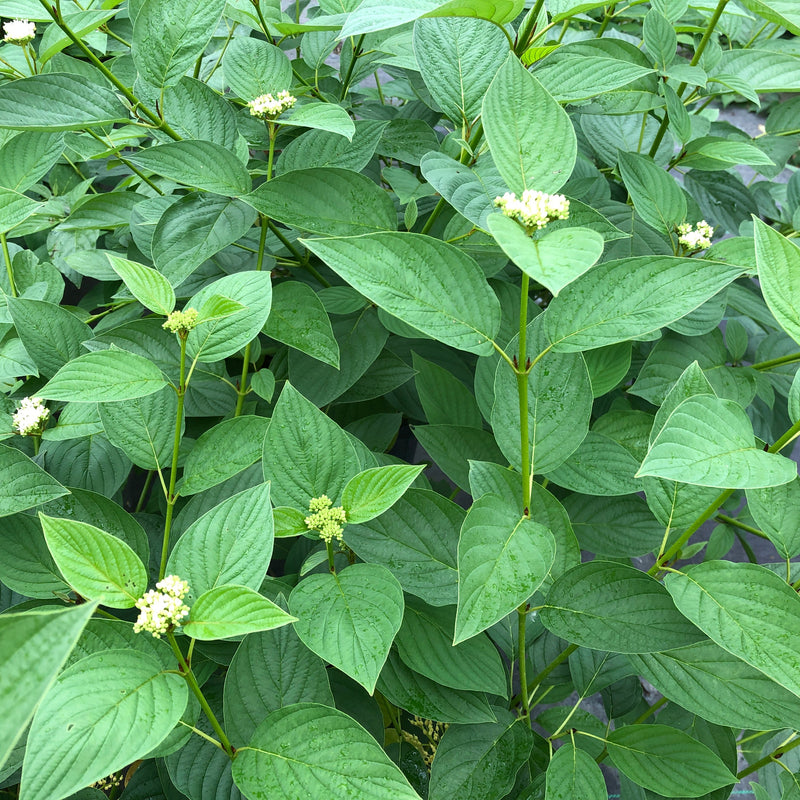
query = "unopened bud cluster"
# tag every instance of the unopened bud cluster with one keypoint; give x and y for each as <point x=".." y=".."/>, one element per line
<point x="534" y="209"/>
<point x="162" y="608"/>
<point x="268" y="106"/>
<point x="29" y="419"/>
<point x="325" y="518"/>
<point x="18" y="31"/>
<point x="697" y="238"/>
<point x="181" y="322"/>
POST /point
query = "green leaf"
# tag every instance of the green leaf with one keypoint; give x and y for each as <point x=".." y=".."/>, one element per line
<point x="431" y="285"/>
<point x="779" y="275"/>
<point x="781" y="12"/>
<point x="656" y="195"/>
<point x="573" y="773"/>
<point x="306" y="454"/>
<point x="321" y="116"/>
<point x="231" y="610"/>
<point x="370" y="493"/>
<point x="271" y="670"/>
<point x="502" y="560"/>
<point x="425" y="644"/>
<point x="774" y="510"/>
<point x="52" y="335"/>
<point x="147" y="285"/>
<point x="499" y="11"/>
<point x="58" y="102"/>
<point x="220" y="337"/>
<point x="607" y="606"/>
<point x="331" y="202"/>
<point x="35" y="646"/>
<point x="480" y="760"/>
<point x="15" y="208"/>
<point x="26" y="565"/>
<point x="222" y="452"/>
<point x="299" y="319"/>
<point x="104" y="712"/>
<point x="660" y="39"/>
<point x="96" y="564"/>
<point x="195" y="228"/>
<point x="719" y="687"/>
<point x="25" y="159"/>
<point x="202" y="164"/>
<point x="525" y="157"/>
<point x="444" y="398"/>
<point x="667" y="761"/>
<point x="104" y="376"/>
<point x="350" y="618"/>
<point x="715" y="153"/>
<point x="253" y="67"/>
<point x="555" y="259"/>
<point x="308" y="750"/>
<point x="709" y="442"/>
<point x="144" y="428"/>
<point x="377" y="15"/>
<point x="230" y="544"/>
<point x="623" y="299"/>
<point x="25" y="484"/>
<point x="81" y="23"/>
<point x="746" y="609"/>
<point x="458" y="59"/>
<point x="169" y="35"/>
<point x="417" y="539"/>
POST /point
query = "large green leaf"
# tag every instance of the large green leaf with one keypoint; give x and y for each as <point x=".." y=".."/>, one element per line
<point x="96" y="564"/>
<point x="573" y="773"/>
<point x="623" y="299"/>
<point x="350" y="618"/>
<point x="609" y="606"/>
<point x="306" y="751"/>
<point x="502" y="560"/>
<point x="15" y="208"/>
<point x="480" y="760"/>
<point x="253" y="67"/>
<point x="231" y="543"/>
<point x="719" y="687"/>
<point x="775" y="510"/>
<point x="222" y="452"/>
<point x="370" y="493"/>
<point x="778" y="261"/>
<point x="230" y="610"/>
<point x="708" y="441"/>
<point x="531" y="137"/>
<point x="35" y="646"/>
<point x="306" y="454"/>
<point x="656" y="195"/>
<point x="147" y="285"/>
<point x="377" y="15"/>
<point x="202" y="164"/>
<point x="104" y="376"/>
<point x="667" y="761"/>
<point x="781" y="12"/>
<point x="429" y="284"/>
<point x="320" y="116"/>
<point x="553" y="260"/>
<point x="104" y="712"/>
<point x="325" y="200"/>
<point x="25" y="484"/>
<point x="25" y="159"/>
<point x="58" y="102"/>
<point x="499" y="11"/>
<point x="26" y="565"/>
<point x="458" y="59"/>
<point x="748" y="610"/>
<point x="270" y="670"/>
<point x="169" y="35"/>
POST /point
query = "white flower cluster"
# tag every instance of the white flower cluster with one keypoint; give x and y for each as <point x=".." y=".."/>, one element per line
<point x="30" y="417"/>
<point x="181" y="322"/>
<point x="328" y="521"/>
<point x="18" y="31"/>
<point x="698" y="238"/>
<point x="266" y="106"/>
<point x="162" y="609"/>
<point x="534" y="209"/>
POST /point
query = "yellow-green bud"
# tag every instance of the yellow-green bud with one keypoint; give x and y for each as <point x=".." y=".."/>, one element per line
<point x="325" y="518"/>
<point x="181" y="322"/>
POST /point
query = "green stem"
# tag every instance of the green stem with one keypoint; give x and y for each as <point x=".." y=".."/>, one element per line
<point x="522" y="394"/>
<point x="608" y="13"/>
<point x="148" y="482"/>
<point x="437" y="209"/>
<point x="173" y="473"/>
<point x="522" y="616"/>
<point x="302" y="260"/>
<point x="736" y="524"/>
<point x="9" y="268"/>
<point x="527" y="29"/>
<point x="241" y="392"/>
<point x="131" y="167"/>
<point x="712" y="23"/>
<point x="559" y="659"/>
<point x="331" y="562"/>
<point x="271" y="154"/>
<point x="195" y="687"/>
<point x="768" y="759"/>
<point x="126" y="92"/>
<point x="751" y="556"/>
<point x="776" y="362"/>
<point x="351" y="66"/>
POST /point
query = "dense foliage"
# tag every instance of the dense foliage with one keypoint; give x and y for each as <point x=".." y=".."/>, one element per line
<point x="262" y="265"/>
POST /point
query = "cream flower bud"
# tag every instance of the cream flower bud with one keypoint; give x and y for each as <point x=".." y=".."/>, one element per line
<point x="325" y="518"/>
<point x="181" y="322"/>
<point x="534" y="209"/>
<point x="162" y="608"/>
<point x="268" y="106"/>
<point x="29" y="419"/>
<point x="18" y="31"/>
<point x="697" y="238"/>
